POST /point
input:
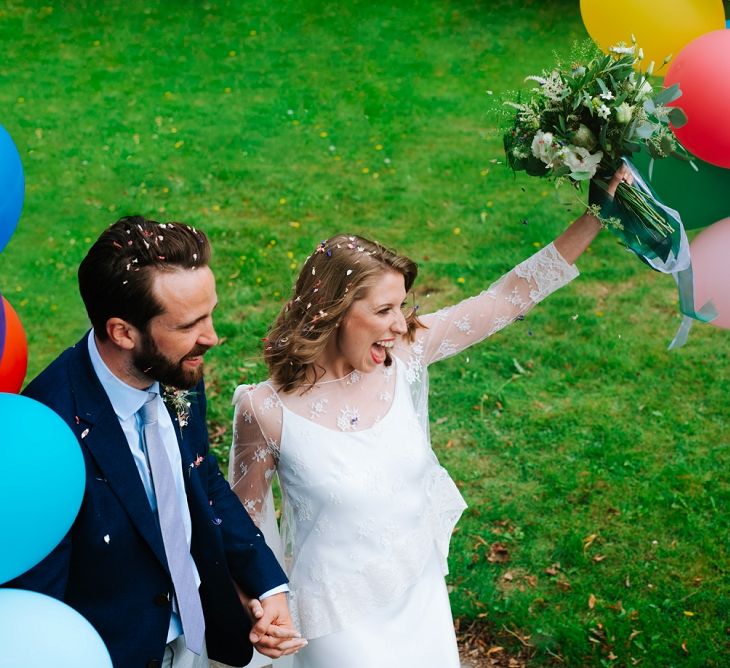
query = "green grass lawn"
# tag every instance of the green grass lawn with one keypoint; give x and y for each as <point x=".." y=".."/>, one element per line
<point x="593" y="460"/>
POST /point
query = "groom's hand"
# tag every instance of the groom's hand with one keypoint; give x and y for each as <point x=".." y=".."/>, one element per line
<point x="273" y="633"/>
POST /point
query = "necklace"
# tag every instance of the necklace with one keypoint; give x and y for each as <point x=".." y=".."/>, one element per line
<point x="350" y="379"/>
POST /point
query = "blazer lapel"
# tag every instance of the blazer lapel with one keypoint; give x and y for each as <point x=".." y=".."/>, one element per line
<point x="107" y="444"/>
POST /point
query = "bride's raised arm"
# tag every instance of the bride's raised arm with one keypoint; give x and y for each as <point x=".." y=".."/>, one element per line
<point x="457" y="327"/>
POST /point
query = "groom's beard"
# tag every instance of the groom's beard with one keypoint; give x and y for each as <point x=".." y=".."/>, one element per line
<point x="150" y="362"/>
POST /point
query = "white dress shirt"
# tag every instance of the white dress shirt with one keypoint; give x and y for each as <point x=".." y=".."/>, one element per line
<point x="126" y="402"/>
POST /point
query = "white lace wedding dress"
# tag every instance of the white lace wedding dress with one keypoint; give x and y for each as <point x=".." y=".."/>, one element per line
<point x="367" y="510"/>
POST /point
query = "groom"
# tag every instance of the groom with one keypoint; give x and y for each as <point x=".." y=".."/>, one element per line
<point x="162" y="558"/>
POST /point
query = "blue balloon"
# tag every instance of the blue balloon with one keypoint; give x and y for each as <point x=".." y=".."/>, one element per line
<point x="42" y="480"/>
<point x="37" y="631"/>
<point x="13" y="187"/>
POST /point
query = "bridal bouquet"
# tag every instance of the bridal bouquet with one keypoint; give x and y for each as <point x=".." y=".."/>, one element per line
<point x="579" y="123"/>
<point x="582" y="120"/>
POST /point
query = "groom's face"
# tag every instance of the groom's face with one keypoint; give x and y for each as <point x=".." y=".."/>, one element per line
<point x="171" y="349"/>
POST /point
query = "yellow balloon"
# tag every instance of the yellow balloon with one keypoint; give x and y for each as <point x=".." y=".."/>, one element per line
<point x="661" y="28"/>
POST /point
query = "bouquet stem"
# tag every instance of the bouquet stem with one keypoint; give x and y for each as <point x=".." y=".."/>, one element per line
<point x="636" y="202"/>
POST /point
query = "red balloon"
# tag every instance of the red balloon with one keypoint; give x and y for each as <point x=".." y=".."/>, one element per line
<point x="14" y="354"/>
<point x="702" y="70"/>
<point x="710" y="251"/>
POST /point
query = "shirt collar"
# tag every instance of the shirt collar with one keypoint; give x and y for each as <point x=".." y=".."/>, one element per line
<point x="125" y="399"/>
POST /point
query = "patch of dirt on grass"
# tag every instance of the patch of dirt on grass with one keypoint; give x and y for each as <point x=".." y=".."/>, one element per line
<point x="480" y="648"/>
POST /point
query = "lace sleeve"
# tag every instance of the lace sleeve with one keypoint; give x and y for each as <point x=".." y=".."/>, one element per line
<point x="455" y="328"/>
<point x="255" y="450"/>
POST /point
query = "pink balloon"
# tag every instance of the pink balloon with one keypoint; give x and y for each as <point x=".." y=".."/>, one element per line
<point x="702" y="70"/>
<point x="710" y="253"/>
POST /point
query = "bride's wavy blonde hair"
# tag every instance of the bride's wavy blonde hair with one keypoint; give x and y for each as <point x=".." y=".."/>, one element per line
<point x="339" y="272"/>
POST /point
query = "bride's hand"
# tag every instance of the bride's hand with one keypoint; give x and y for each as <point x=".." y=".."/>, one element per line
<point x="622" y="174"/>
<point x="273" y="633"/>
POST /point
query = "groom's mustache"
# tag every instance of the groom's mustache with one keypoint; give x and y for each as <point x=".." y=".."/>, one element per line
<point x="198" y="351"/>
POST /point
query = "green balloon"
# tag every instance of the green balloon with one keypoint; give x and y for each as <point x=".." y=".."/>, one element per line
<point x="699" y="196"/>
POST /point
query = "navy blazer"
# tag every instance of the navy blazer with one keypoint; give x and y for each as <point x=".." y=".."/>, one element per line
<point x="111" y="565"/>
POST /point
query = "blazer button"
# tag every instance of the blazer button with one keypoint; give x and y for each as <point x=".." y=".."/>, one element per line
<point x="163" y="598"/>
<point x="153" y="663"/>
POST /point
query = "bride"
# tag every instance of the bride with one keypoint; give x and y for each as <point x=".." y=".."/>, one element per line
<point x="343" y="420"/>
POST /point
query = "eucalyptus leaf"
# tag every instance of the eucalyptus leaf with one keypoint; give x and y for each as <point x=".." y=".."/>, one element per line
<point x="668" y="95"/>
<point x="644" y="129"/>
<point x="677" y="117"/>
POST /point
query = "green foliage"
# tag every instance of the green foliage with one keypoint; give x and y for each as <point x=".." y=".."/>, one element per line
<point x="596" y="458"/>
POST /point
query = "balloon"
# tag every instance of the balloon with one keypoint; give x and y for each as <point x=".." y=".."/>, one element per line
<point x="13" y="349"/>
<point x="710" y="251"/>
<point x="702" y="70"/>
<point x="661" y="28"/>
<point x="37" y="631"/>
<point x="13" y="187"/>
<point x="695" y="194"/>
<point x="42" y="480"/>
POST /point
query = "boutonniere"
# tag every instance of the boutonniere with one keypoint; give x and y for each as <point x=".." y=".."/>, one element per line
<point x="179" y="401"/>
<point x="194" y="464"/>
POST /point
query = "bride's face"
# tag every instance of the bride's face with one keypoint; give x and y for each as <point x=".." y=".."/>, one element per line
<point x="372" y="325"/>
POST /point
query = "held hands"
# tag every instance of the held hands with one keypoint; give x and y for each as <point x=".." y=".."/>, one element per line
<point x="273" y="633"/>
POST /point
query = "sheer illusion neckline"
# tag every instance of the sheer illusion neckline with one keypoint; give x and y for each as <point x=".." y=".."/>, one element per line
<point x="378" y="423"/>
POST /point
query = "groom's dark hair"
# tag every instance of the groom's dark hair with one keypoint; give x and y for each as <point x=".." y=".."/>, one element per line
<point x="115" y="277"/>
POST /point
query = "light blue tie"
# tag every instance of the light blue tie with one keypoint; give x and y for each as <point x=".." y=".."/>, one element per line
<point x="179" y="560"/>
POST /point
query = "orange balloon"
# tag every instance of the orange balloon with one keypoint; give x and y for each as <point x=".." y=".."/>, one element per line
<point x="14" y="353"/>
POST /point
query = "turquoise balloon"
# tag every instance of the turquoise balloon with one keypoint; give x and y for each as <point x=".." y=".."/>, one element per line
<point x="12" y="190"/>
<point x="699" y="196"/>
<point x="37" y="631"/>
<point x="42" y="479"/>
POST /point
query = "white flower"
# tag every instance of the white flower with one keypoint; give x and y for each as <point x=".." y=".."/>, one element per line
<point x="543" y="148"/>
<point x="603" y="111"/>
<point x="622" y="50"/>
<point x="608" y="95"/>
<point x="580" y="159"/>
<point x="554" y="88"/>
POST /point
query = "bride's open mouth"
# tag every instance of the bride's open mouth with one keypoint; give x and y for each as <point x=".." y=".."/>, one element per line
<point x="380" y="351"/>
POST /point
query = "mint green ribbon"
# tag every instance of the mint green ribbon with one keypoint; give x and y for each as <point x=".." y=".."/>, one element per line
<point x="667" y="253"/>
